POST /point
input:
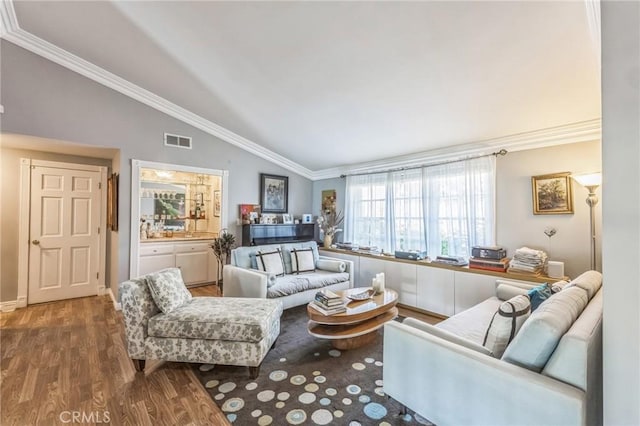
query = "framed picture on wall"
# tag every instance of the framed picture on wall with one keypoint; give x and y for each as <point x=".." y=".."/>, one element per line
<point x="274" y="193"/>
<point x="552" y="194"/>
<point x="112" y="201"/>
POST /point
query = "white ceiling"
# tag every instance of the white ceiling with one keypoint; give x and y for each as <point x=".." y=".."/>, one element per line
<point x="327" y="84"/>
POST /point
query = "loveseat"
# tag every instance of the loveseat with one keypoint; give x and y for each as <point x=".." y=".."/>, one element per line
<point x="164" y="322"/>
<point x="293" y="286"/>
<point x="549" y="374"/>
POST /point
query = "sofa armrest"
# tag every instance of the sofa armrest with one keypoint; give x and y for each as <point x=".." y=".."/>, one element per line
<point x="448" y="383"/>
<point x="348" y="269"/>
<point x="240" y="282"/>
<point x="446" y="335"/>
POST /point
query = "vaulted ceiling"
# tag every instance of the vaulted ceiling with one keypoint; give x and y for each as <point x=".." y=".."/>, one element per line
<point x="332" y="84"/>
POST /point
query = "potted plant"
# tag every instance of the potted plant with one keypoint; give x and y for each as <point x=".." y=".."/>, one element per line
<point x="329" y="222"/>
<point x="222" y="249"/>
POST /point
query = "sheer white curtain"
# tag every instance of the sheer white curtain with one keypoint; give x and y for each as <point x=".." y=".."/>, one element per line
<point x="444" y="209"/>
<point x="366" y="210"/>
<point x="459" y="206"/>
<point x="405" y="219"/>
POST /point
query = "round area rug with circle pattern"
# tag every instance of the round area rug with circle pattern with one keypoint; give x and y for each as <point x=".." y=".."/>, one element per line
<point x="304" y="380"/>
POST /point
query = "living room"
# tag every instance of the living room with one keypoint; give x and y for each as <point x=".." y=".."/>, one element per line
<point x="53" y="113"/>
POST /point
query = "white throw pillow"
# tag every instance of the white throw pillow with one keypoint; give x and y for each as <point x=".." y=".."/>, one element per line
<point x="505" y="324"/>
<point x="302" y="261"/>
<point x="270" y="262"/>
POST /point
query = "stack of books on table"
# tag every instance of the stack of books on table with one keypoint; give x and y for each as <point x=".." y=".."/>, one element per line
<point x="328" y="303"/>
<point x="489" y="259"/>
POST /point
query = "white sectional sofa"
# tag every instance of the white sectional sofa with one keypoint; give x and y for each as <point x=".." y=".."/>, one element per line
<point x="550" y="373"/>
<point x="243" y="279"/>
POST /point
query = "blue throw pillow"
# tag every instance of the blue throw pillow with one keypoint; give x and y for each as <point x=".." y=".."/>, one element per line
<point x="539" y="294"/>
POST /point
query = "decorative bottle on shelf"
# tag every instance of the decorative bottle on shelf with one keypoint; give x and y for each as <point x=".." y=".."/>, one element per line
<point x="197" y="216"/>
<point x="192" y="214"/>
<point x="202" y="214"/>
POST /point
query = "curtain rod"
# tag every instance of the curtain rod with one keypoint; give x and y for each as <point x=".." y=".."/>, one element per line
<point x="399" y="169"/>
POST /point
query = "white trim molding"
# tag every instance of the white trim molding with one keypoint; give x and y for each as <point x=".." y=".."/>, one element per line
<point x="47" y="50"/>
<point x="571" y="133"/>
<point x="584" y="131"/>
<point x="116" y="304"/>
<point x="8" y="306"/>
<point x="8" y="18"/>
<point x="23" y="231"/>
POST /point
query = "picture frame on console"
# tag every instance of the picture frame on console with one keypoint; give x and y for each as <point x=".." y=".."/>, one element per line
<point x="552" y="193"/>
<point x="287" y="218"/>
<point x="274" y="193"/>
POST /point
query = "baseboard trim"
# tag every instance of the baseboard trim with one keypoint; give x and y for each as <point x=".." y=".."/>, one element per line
<point x="116" y="304"/>
<point x="8" y="306"/>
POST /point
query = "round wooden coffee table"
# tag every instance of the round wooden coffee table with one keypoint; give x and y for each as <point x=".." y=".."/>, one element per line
<point x="355" y="327"/>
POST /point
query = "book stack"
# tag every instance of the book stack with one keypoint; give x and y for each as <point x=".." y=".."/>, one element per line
<point x="328" y="303"/>
<point x="489" y="259"/>
<point x="528" y="261"/>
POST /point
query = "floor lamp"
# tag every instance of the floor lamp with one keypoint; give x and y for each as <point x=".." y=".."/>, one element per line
<point x="591" y="181"/>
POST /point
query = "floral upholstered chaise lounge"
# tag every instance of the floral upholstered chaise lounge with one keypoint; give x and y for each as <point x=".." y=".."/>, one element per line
<point x="164" y="322"/>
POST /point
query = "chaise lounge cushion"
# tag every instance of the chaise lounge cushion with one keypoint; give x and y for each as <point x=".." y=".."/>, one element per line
<point x="168" y="289"/>
<point x="291" y="284"/>
<point x="215" y="318"/>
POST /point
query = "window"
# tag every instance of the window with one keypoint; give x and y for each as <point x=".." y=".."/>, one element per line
<point x="444" y="209"/>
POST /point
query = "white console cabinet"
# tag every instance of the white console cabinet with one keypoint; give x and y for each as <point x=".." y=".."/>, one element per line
<point x="442" y="290"/>
<point x="436" y="290"/>
<point x="194" y="258"/>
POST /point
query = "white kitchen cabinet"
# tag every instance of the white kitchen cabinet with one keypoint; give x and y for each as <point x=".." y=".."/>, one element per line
<point x="194" y="258"/>
<point x="471" y="289"/>
<point x="436" y="290"/>
<point x="402" y="278"/>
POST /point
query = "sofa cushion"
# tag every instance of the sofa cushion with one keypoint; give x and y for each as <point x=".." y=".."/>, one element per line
<point x="270" y="262"/>
<point x="286" y="253"/>
<point x="472" y="324"/>
<point x="539" y="294"/>
<point x="291" y="284"/>
<point x="245" y="256"/>
<point x="590" y="281"/>
<point x="540" y="334"/>
<point x="168" y="289"/>
<point x="302" y="261"/>
<point x="505" y="324"/>
<point x="218" y="318"/>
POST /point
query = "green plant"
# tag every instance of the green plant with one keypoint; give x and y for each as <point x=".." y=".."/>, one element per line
<point x="222" y="246"/>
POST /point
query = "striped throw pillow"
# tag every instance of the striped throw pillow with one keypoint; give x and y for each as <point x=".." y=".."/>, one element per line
<point x="271" y="262"/>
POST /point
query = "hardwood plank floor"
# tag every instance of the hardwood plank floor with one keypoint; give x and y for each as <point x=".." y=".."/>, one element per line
<point x="66" y="358"/>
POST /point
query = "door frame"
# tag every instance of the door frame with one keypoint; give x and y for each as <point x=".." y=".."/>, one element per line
<point x="24" y="214"/>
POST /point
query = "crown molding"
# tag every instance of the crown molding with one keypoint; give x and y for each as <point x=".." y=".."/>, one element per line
<point x="85" y="68"/>
<point x="583" y="131"/>
<point x="8" y="17"/>
<point x="571" y="133"/>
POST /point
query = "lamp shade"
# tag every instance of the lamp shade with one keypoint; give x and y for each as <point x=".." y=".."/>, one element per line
<point x="590" y="179"/>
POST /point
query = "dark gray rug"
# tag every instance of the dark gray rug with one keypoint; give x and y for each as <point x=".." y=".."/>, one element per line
<point x="303" y="380"/>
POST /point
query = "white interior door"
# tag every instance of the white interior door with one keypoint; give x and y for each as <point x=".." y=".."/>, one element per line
<point x="64" y="231"/>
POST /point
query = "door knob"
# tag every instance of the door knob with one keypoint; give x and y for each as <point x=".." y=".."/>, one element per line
<point x="35" y="242"/>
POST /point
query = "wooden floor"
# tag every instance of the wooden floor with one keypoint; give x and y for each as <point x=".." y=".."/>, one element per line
<point x="69" y="358"/>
